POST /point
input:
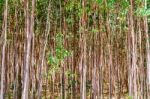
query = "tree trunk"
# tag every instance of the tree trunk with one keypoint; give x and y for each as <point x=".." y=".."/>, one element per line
<point x="2" y="91"/>
<point x="29" y="29"/>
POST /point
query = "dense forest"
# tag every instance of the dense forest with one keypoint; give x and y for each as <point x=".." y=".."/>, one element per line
<point x="74" y="49"/>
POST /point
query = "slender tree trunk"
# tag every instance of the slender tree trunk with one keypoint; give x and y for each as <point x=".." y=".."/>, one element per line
<point x="32" y="70"/>
<point x="29" y="29"/>
<point x="147" y="50"/>
<point x="83" y="66"/>
<point x="2" y="92"/>
<point x="47" y="30"/>
<point x="133" y="68"/>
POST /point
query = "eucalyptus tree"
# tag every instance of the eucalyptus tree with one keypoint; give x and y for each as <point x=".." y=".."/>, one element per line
<point x="147" y="47"/>
<point x="29" y="30"/>
<point x="88" y="49"/>
<point x="42" y="52"/>
<point x="3" y="64"/>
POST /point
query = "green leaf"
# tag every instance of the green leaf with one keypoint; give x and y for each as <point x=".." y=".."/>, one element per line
<point x="130" y="97"/>
<point x="94" y="30"/>
<point x="147" y="12"/>
<point x="143" y="12"/>
<point x="53" y="60"/>
<point x="99" y="1"/>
